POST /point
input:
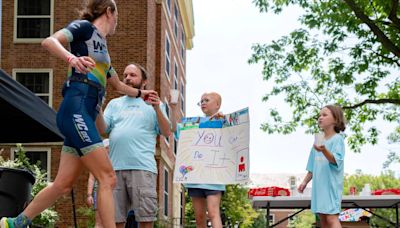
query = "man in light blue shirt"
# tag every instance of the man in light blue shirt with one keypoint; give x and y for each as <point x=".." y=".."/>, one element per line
<point x="133" y="125"/>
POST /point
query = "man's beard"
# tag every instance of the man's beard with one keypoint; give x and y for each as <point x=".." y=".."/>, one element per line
<point x="137" y="86"/>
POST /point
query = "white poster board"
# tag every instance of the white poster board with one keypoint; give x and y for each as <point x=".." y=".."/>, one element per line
<point x="214" y="152"/>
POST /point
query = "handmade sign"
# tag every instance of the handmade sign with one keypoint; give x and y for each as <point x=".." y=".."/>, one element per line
<point x="213" y="152"/>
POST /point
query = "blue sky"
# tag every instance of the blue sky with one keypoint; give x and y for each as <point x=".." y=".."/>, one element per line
<point x="225" y="30"/>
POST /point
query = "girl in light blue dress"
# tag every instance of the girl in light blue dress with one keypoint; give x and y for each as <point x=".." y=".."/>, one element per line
<point x="325" y="168"/>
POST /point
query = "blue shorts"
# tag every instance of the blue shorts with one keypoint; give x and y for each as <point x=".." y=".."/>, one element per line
<point x="203" y="193"/>
<point x="76" y="118"/>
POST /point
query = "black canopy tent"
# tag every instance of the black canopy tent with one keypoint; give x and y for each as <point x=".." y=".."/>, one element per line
<point x="24" y="117"/>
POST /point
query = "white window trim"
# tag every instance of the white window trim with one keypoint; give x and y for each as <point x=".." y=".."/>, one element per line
<point x="167" y="55"/>
<point x="182" y="96"/>
<point x="37" y="149"/>
<point x="176" y="76"/>
<point x="165" y="138"/>
<point x="37" y="70"/>
<point x="183" y="48"/>
<point x="168" y="7"/>
<point x="165" y="169"/>
<point x="175" y="146"/>
<point x="176" y="25"/>
<point x="273" y="218"/>
<point x="32" y="40"/>
<point x="166" y="142"/>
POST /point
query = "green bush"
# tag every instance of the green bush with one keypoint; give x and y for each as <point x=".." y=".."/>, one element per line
<point x="48" y="217"/>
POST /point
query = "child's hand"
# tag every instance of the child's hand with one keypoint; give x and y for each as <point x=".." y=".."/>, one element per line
<point x="301" y="187"/>
<point x="217" y="115"/>
<point x="319" y="148"/>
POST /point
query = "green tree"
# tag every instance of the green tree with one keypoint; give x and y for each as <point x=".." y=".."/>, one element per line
<point x="302" y="220"/>
<point x="386" y="180"/>
<point x="346" y="52"/>
<point x="48" y="217"/>
<point x="260" y="221"/>
<point x="235" y="205"/>
<point x="189" y="212"/>
<point x="238" y="206"/>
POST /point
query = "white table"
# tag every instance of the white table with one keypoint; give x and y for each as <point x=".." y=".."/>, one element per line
<point x="304" y="202"/>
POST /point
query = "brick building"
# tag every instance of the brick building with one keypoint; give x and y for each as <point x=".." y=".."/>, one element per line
<point x="153" y="33"/>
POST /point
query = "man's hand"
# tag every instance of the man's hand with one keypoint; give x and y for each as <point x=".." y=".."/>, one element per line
<point x="152" y="98"/>
<point x="146" y="93"/>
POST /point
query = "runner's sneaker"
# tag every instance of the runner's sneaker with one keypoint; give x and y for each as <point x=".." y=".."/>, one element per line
<point x="6" y="223"/>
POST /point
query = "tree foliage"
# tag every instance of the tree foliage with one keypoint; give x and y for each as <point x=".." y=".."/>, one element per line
<point x="237" y="206"/>
<point x="235" y="209"/>
<point x="48" y="217"/>
<point x="303" y="219"/>
<point x="347" y="53"/>
<point x="386" y="180"/>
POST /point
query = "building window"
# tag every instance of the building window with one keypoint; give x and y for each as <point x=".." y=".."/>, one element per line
<point x="167" y="111"/>
<point x="175" y="76"/>
<point x="182" y="95"/>
<point x="167" y="56"/>
<point x="33" y="20"/>
<point x="176" y="13"/>
<point x="183" y="47"/>
<point x="168" y="3"/>
<point x="271" y="219"/>
<point x="166" y="179"/>
<point x="182" y="207"/>
<point x="39" y="81"/>
<point x="175" y="146"/>
<point x="35" y="155"/>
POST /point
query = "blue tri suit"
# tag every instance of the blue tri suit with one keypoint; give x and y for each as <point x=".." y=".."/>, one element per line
<point x="83" y="93"/>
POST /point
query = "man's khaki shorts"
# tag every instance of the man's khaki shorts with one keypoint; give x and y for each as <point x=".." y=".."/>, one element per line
<point x="136" y="190"/>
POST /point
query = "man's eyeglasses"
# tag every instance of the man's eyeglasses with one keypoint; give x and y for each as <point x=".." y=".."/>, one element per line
<point x="203" y="101"/>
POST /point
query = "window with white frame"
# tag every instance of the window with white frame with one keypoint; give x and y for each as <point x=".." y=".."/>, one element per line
<point x="183" y="47"/>
<point x="175" y="75"/>
<point x="271" y="219"/>
<point x="182" y="206"/>
<point x="168" y="3"/>
<point x="176" y="13"/>
<point x="182" y="95"/>
<point x="167" y="111"/>
<point x="33" y="20"/>
<point x="35" y="155"/>
<point x="175" y="146"/>
<point x="39" y="81"/>
<point x="166" y="192"/>
<point x="167" y="56"/>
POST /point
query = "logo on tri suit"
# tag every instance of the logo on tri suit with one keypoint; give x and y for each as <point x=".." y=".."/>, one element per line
<point x="99" y="47"/>
<point x="82" y="128"/>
